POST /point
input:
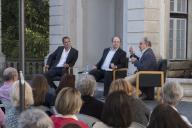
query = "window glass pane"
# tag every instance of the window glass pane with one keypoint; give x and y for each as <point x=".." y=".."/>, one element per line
<point x="171" y="24"/>
<point x="182" y="34"/>
<point x="178" y="24"/>
<point x="172" y="5"/>
<point x="178" y="6"/>
<point x="183" y="24"/>
<point x="183" y="6"/>
<point x="171" y="39"/>
<point x="177" y="38"/>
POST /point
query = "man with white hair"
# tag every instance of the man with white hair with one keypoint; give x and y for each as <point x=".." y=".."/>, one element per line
<point x="172" y="94"/>
<point x="147" y="62"/>
<point x="10" y="75"/>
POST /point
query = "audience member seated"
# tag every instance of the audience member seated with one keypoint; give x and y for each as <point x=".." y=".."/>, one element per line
<point x="66" y="81"/>
<point x="42" y="99"/>
<point x="164" y="116"/>
<point x="116" y="112"/>
<point x="91" y="106"/>
<point x="12" y="115"/>
<point x="172" y="94"/>
<point x="10" y="75"/>
<point x="112" y="58"/>
<point x="60" y="60"/>
<point x="147" y="62"/>
<point x="67" y="104"/>
<point x="139" y="110"/>
<point x="34" y="118"/>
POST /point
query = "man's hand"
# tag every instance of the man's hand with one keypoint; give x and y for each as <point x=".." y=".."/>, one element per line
<point x="65" y="65"/>
<point x="94" y="67"/>
<point x="46" y="66"/>
<point x="113" y="66"/>
<point x="133" y="59"/>
<point x="45" y="69"/>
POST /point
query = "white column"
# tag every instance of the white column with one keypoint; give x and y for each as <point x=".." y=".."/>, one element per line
<point x="152" y="24"/>
<point x="164" y="27"/>
<point x="134" y="26"/>
<point x="79" y="32"/>
<point x="63" y="22"/>
<point x="125" y="19"/>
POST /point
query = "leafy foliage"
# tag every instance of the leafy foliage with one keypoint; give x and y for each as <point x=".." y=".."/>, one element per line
<point x="36" y="28"/>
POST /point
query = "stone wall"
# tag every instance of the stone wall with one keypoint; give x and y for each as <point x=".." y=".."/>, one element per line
<point x="179" y="69"/>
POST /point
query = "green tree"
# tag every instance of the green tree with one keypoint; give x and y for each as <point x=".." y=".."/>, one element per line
<point x="36" y="26"/>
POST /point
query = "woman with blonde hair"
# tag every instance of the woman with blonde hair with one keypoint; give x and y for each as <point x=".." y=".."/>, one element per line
<point x="140" y="111"/>
<point x="67" y="104"/>
<point x="11" y="120"/>
<point x="122" y="85"/>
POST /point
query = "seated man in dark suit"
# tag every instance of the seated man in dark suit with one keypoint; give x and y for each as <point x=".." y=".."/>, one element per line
<point x="112" y="58"/>
<point x="60" y="60"/>
<point x="147" y="62"/>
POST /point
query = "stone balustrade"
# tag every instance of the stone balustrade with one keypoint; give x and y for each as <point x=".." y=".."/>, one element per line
<point x="32" y="66"/>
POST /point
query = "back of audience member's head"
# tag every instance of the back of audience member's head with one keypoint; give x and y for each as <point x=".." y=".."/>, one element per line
<point x="121" y="85"/>
<point x="87" y="85"/>
<point x="15" y="97"/>
<point x="116" y="111"/>
<point x="34" y="118"/>
<point x="164" y="116"/>
<point x="172" y="93"/>
<point x="10" y="74"/>
<point x="68" y="101"/>
<point x="39" y="85"/>
<point x="66" y="81"/>
<point x="71" y="125"/>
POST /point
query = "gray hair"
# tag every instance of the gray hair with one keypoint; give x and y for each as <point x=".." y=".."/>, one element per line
<point x="172" y="93"/>
<point x="87" y="85"/>
<point x="34" y="118"/>
<point x="10" y="74"/>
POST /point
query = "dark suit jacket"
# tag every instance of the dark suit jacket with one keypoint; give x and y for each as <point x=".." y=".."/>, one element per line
<point x="54" y="58"/>
<point x="92" y="107"/>
<point x="118" y="59"/>
<point x="147" y="61"/>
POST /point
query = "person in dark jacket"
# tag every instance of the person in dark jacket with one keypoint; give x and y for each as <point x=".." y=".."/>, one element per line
<point x="91" y="106"/>
<point x="63" y="58"/>
<point x="112" y="58"/>
<point x="147" y="62"/>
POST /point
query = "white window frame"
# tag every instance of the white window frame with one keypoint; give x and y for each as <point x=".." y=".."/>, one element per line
<point x="175" y="8"/>
<point x="174" y="50"/>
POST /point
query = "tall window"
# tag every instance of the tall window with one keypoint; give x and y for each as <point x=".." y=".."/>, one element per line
<point x="178" y="29"/>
